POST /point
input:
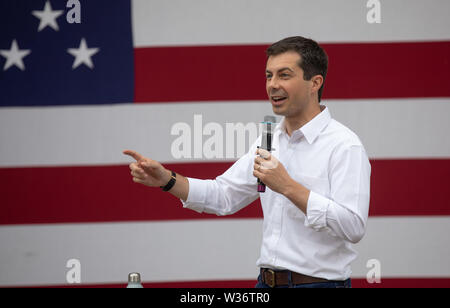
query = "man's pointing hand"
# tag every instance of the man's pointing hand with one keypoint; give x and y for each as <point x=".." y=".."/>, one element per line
<point x="147" y="171"/>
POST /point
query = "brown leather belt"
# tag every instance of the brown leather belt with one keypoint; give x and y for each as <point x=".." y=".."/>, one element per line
<point x="281" y="278"/>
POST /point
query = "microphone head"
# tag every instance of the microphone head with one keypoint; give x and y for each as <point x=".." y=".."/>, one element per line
<point x="269" y="118"/>
<point x="266" y="141"/>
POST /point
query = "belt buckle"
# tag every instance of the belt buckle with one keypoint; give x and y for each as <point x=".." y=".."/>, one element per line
<point x="272" y="272"/>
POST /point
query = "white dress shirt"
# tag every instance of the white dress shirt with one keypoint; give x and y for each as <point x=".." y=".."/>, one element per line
<point x="328" y="159"/>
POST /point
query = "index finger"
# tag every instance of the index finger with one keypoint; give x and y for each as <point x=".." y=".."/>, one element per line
<point x="134" y="154"/>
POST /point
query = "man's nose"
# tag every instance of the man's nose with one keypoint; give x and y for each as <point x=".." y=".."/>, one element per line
<point x="273" y="84"/>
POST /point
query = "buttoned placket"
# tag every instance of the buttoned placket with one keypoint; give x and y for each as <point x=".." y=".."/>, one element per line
<point x="286" y="150"/>
<point x="276" y="218"/>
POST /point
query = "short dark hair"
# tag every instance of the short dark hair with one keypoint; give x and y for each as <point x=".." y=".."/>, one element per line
<point x="314" y="60"/>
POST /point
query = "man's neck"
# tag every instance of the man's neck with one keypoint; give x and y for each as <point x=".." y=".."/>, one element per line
<point x="298" y="121"/>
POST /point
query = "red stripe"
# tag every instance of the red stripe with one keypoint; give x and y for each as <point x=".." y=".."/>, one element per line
<point x="356" y="283"/>
<point x="107" y="194"/>
<point x="404" y="283"/>
<point x="410" y="187"/>
<point x="356" y="70"/>
<point x="93" y="194"/>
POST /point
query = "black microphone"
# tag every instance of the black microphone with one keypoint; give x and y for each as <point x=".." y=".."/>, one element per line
<point x="266" y="143"/>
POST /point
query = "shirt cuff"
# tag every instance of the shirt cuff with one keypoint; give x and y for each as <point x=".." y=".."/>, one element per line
<point x="316" y="212"/>
<point x="196" y="196"/>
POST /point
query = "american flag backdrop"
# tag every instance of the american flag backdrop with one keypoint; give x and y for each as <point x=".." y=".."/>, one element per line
<point x="74" y="95"/>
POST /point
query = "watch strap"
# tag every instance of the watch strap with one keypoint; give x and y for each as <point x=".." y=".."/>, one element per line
<point x="171" y="183"/>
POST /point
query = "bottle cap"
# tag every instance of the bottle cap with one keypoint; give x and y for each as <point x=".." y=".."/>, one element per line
<point x="134" y="278"/>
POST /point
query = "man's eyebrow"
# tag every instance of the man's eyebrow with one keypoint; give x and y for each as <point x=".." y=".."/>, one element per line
<point x="281" y="69"/>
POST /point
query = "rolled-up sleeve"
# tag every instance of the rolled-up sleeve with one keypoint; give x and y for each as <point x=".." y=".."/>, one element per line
<point x="317" y="211"/>
<point x="197" y="195"/>
<point x="345" y="211"/>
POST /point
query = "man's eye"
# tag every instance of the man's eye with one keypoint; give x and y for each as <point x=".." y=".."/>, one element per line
<point x="268" y="76"/>
<point x="284" y="76"/>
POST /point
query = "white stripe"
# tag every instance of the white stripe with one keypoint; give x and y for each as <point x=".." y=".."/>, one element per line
<point x="201" y="250"/>
<point x="398" y="128"/>
<point x="97" y="135"/>
<point x="160" y="251"/>
<point x="206" y="22"/>
<point x="406" y="247"/>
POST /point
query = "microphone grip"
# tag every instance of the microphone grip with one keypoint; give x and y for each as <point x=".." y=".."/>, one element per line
<point x="266" y="144"/>
<point x="261" y="185"/>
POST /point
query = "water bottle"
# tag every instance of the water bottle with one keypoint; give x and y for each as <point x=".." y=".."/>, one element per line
<point x="134" y="281"/>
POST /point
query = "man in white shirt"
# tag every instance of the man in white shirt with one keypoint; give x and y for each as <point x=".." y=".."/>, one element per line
<point x="318" y="178"/>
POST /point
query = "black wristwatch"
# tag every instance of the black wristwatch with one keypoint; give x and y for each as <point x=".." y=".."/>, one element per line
<point x="171" y="182"/>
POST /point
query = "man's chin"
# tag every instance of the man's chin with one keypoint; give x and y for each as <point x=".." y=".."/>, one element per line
<point x="278" y="110"/>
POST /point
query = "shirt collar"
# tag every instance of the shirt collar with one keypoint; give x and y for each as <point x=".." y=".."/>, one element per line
<point x="312" y="129"/>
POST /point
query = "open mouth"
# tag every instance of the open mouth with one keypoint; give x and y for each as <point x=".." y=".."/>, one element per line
<point x="278" y="100"/>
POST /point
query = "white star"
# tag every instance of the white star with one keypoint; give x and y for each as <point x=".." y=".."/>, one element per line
<point x="83" y="55"/>
<point x="14" y="56"/>
<point x="47" y="17"/>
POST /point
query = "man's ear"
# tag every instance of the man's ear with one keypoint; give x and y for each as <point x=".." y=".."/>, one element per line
<point x="317" y="82"/>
